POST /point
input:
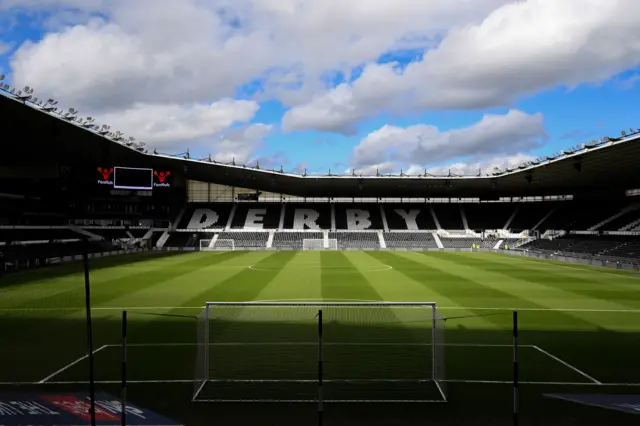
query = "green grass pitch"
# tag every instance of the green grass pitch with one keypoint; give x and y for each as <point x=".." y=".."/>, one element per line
<point x="578" y="334"/>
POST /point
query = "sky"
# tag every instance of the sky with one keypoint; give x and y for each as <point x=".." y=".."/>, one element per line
<point x="371" y="86"/>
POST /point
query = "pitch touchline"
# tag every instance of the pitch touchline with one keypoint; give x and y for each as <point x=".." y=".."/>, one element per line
<point x="169" y="381"/>
<point x="459" y="308"/>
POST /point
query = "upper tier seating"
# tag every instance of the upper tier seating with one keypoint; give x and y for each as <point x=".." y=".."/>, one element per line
<point x="211" y="216"/>
<point x="256" y="216"/>
<point x="487" y="215"/>
<point x="307" y="216"/>
<point x="448" y="215"/>
<point x="358" y="216"/>
<point x="409" y="216"/>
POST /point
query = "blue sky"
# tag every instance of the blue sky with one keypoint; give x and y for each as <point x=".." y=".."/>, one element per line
<point x="410" y="86"/>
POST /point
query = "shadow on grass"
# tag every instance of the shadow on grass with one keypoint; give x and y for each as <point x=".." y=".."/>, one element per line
<point x="163" y="348"/>
<point x="75" y="267"/>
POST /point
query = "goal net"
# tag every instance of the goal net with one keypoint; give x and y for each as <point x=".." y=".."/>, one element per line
<point x="318" y="244"/>
<point x="217" y="244"/>
<point x="313" y="244"/>
<point x="320" y="352"/>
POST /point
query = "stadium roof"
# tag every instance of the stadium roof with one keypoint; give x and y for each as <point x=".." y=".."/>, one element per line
<point x="45" y="134"/>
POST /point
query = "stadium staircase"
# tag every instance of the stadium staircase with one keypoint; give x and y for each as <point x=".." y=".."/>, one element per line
<point x="435" y="218"/>
<point x="86" y="233"/>
<point x="383" y="215"/>
<point x="163" y="239"/>
<point x="465" y="223"/>
<point x="383" y="244"/>
<point x="541" y="221"/>
<point x="513" y="216"/>
<point x="436" y="237"/>
<point x="231" y="215"/>
<point x="611" y="218"/>
<point x="633" y="226"/>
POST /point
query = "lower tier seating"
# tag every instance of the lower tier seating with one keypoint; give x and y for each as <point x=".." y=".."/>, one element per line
<point x="246" y="239"/>
<point x="293" y="240"/>
<point x="356" y="240"/>
<point x="410" y="240"/>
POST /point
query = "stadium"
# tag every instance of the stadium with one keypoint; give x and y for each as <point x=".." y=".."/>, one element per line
<point x="257" y="295"/>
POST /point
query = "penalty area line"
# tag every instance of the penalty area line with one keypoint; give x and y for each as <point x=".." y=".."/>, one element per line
<point x="453" y="308"/>
<point x="566" y="364"/>
<point x="71" y="364"/>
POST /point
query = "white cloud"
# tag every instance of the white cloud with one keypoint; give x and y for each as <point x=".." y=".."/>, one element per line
<point x="240" y="144"/>
<point x="391" y="148"/>
<point x="195" y="51"/>
<point x="519" y="49"/>
<point x="477" y="167"/>
<point x="166" y="125"/>
<point x="5" y="47"/>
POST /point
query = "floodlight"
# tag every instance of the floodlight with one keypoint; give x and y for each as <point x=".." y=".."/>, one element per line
<point x="1" y="77"/>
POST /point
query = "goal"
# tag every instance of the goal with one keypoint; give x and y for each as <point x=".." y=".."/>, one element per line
<point x="320" y="352"/>
<point x="318" y="244"/>
<point x="313" y="244"/>
<point x="217" y="244"/>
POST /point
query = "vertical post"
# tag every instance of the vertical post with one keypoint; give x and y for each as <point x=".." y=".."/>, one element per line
<point x="516" y="402"/>
<point x="320" y="372"/>
<point x="87" y="292"/>
<point x="123" y="415"/>
<point x="206" y="344"/>
<point x="434" y="337"/>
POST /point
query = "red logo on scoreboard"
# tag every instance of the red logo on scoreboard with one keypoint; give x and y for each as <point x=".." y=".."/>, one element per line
<point x="161" y="176"/>
<point x="105" y="173"/>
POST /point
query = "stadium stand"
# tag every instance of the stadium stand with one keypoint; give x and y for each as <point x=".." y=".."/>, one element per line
<point x="409" y="216"/>
<point x="307" y="216"/>
<point x="209" y="216"/>
<point x="530" y="216"/>
<point x="487" y="215"/>
<point x="256" y="216"/>
<point x="246" y="239"/>
<point x="356" y="240"/>
<point x="293" y="240"/>
<point x="414" y="240"/>
<point x="53" y="185"/>
<point x="449" y="216"/>
<point x="358" y="217"/>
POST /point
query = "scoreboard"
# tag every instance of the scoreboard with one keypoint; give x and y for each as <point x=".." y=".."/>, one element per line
<point x="132" y="178"/>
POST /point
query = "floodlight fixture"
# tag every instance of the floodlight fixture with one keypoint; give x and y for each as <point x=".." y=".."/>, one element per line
<point x="2" y="77"/>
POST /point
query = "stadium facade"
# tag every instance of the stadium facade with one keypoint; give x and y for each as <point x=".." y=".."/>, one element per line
<point x="64" y="179"/>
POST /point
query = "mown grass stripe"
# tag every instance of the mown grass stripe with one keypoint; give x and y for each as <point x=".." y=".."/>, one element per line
<point x="595" y="289"/>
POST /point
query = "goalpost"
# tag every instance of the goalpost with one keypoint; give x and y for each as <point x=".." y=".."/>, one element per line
<point x="217" y="244"/>
<point x="320" y="352"/>
<point x="318" y="244"/>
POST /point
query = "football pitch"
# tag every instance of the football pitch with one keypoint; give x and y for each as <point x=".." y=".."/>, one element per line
<point x="578" y="334"/>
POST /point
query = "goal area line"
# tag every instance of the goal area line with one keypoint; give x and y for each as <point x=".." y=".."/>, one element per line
<point x="590" y="379"/>
<point x="187" y="381"/>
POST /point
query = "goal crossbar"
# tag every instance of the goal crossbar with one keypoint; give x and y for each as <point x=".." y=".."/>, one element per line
<point x="220" y="320"/>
